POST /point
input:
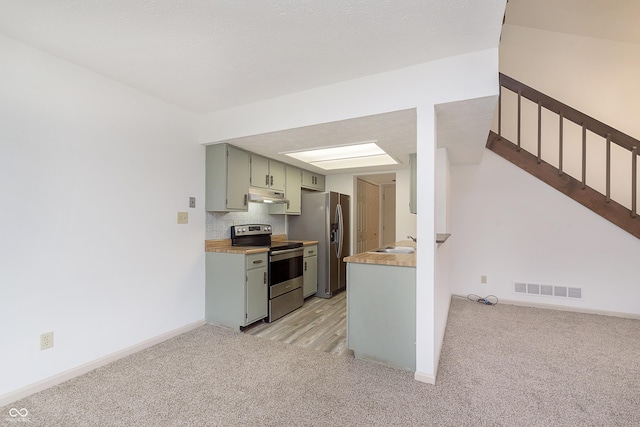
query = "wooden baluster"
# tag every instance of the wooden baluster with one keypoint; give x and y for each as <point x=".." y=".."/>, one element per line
<point x="560" y="138"/>
<point x="634" y="180"/>
<point x="539" y="132"/>
<point x="584" y="155"/>
<point x="519" y="113"/>
<point x="608" y="168"/>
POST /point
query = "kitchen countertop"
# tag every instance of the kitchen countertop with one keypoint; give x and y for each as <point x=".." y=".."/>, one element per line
<point x="224" y="246"/>
<point x="400" y="260"/>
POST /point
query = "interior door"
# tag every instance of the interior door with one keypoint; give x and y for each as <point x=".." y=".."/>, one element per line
<point x="361" y="243"/>
<point x="372" y="216"/>
<point x="388" y="214"/>
<point x="368" y="216"/>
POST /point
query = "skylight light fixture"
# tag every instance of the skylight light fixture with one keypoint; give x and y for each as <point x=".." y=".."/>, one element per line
<point x="358" y="155"/>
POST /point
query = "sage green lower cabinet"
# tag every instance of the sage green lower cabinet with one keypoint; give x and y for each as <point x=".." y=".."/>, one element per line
<point x="310" y="271"/>
<point x="381" y="313"/>
<point x="236" y="292"/>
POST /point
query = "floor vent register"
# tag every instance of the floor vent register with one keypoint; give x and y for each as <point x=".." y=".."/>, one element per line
<point x="547" y="290"/>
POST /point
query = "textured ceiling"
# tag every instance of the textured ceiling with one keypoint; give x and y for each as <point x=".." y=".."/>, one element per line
<point x="462" y="128"/>
<point x="207" y="55"/>
<point x="605" y="19"/>
<point x="394" y="132"/>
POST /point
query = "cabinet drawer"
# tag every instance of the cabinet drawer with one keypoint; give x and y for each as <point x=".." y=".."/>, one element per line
<point x="310" y="250"/>
<point x="257" y="260"/>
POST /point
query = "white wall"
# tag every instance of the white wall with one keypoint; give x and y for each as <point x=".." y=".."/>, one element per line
<point x="422" y="86"/>
<point x="405" y="221"/>
<point x="443" y="191"/>
<point x="511" y="227"/>
<point x="597" y="77"/>
<point x="93" y="174"/>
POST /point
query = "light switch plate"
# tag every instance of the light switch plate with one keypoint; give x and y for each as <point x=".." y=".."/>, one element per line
<point x="183" y="217"/>
<point x="192" y="202"/>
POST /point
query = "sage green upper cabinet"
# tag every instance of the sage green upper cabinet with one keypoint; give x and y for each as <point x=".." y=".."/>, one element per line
<point x="292" y="192"/>
<point x="312" y="181"/>
<point x="266" y="173"/>
<point x="227" y="178"/>
<point x="413" y="184"/>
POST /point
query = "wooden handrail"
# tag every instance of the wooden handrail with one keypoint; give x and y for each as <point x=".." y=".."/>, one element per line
<point x="589" y="197"/>
<point x="569" y="113"/>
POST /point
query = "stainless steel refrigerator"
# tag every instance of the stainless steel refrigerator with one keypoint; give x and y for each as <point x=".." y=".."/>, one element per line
<point x="325" y="217"/>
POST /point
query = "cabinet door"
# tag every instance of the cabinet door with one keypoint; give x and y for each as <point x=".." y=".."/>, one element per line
<point x="259" y="171"/>
<point x="237" y="179"/>
<point x="293" y="190"/>
<point x="310" y="276"/>
<point x="257" y="295"/>
<point x="319" y="179"/>
<point x="312" y="180"/>
<point x="307" y="179"/>
<point x="277" y="175"/>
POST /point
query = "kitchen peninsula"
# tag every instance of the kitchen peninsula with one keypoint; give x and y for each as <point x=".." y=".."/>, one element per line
<point x="381" y="306"/>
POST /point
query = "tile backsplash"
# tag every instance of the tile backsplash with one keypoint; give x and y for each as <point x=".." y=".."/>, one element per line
<point x="219" y="223"/>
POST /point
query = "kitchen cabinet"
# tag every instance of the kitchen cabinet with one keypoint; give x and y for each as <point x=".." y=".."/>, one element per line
<point x="236" y="289"/>
<point x="413" y="183"/>
<point x="381" y="313"/>
<point x="292" y="191"/>
<point x="312" y="181"/>
<point x="267" y="173"/>
<point x="310" y="271"/>
<point x="227" y="178"/>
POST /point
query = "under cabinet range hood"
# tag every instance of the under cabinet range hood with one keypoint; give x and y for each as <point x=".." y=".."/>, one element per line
<point x="263" y="195"/>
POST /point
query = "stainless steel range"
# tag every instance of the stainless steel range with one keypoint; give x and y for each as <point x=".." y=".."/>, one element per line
<point x="285" y="267"/>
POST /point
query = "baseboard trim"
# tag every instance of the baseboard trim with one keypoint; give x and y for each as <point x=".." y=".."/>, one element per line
<point x="49" y="382"/>
<point x="425" y="378"/>
<point x="564" y="308"/>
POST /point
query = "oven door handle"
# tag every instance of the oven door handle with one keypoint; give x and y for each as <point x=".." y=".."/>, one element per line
<point x="286" y="251"/>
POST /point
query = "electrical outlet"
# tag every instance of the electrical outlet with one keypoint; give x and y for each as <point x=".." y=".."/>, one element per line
<point x="192" y="202"/>
<point x="46" y="340"/>
<point x="183" y="217"/>
<point x="483" y="279"/>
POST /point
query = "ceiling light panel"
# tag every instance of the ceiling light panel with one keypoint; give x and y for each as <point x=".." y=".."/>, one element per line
<point x="335" y="153"/>
<point x="345" y="156"/>
<point x="356" y="162"/>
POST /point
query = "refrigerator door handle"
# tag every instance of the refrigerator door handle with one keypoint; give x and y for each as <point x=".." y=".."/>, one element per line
<point x="340" y="231"/>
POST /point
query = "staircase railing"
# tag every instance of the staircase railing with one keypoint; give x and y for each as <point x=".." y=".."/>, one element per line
<point x="566" y="113"/>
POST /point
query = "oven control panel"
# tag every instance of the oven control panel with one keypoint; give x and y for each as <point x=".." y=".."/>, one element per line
<point x="250" y="230"/>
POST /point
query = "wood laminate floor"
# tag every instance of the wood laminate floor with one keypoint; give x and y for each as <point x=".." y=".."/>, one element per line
<point x="320" y="324"/>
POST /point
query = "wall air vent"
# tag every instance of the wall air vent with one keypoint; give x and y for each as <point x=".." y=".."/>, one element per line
<point x="575" y="292"/>
<point x="560" y="291"/>
<point x="547" y="290"/>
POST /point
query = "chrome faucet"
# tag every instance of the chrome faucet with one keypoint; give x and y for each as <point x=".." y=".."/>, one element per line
<point x="412" y="238"/>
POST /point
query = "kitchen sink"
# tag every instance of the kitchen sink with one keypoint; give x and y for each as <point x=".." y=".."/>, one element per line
<point x="394" y="250"/>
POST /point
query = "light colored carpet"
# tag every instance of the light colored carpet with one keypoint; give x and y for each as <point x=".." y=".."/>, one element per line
<point x="502" y="366"/>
